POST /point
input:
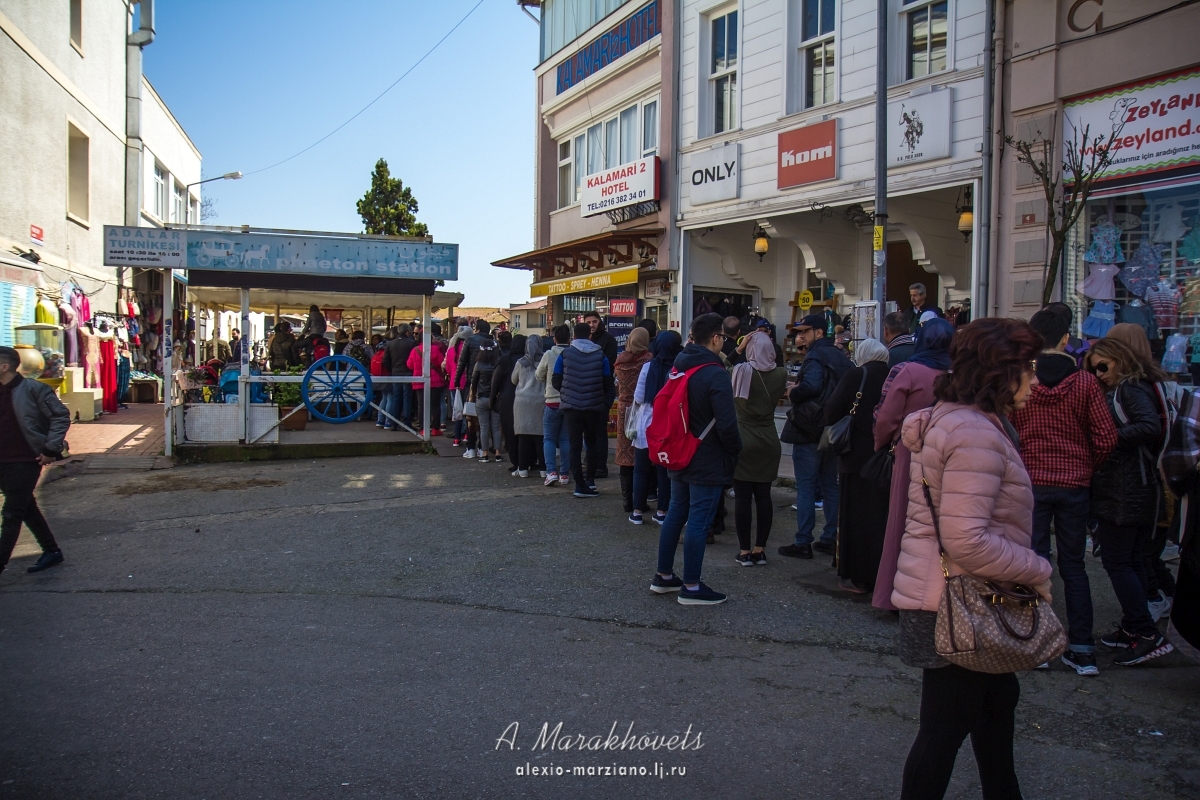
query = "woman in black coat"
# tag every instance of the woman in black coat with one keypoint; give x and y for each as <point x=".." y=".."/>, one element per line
<point x="1126" y="494"/>
<point x="863" y="510"/>
<point x="504" y="394"/>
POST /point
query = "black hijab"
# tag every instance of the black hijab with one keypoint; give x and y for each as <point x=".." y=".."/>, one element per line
<point x="664" y="348"/>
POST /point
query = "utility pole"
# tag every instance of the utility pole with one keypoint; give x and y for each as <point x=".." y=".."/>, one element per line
<point x="879" y="240"/>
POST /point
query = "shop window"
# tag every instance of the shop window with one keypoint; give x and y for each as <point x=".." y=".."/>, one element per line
<point x="77" y="25"/>
<point x="817" y="37"/>
<point x="650" y="128"/>
<point x="160" y="192"/>
<point x="78" y="173"/>
<point x="927" y="32"/>
<point x="722" y="78"/>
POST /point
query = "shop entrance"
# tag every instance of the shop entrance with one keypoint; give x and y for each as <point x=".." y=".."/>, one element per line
<point x="903" y="271"/>
<point x="727" y="304"/>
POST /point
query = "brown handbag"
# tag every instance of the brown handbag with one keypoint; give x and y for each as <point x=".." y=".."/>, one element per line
<point x="984" y="627"/>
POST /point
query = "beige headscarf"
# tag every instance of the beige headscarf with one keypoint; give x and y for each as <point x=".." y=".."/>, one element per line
<point x="760" y="355"/>
<point x="638" y="341"/>
<point x="870" y="350"/>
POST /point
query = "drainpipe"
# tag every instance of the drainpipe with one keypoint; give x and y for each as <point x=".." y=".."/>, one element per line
<point x="992" y="196"/>
<point x="985" y="191"/>
<point x="134" y="43"/>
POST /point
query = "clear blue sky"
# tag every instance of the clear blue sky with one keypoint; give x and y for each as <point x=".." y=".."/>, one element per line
<point x="254" y="82"/>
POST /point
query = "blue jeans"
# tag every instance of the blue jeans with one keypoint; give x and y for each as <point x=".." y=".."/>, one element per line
<point x="1068" y="508"/>
<point x="409" y="400"/>
<point x="814" y="468"/>
<point x="556" y="442"/>
<point x="392" y="404"/>
<point x="696" y="506"/>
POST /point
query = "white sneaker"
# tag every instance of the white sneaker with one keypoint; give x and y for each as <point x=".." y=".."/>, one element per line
<point x="564" y="479"/>
<point x="544" y="473"/>
<point x="1161" y="607"/>
<point x="551" y="479"/>
<point x="522" y="473"/>
<point x="469" y="454"/>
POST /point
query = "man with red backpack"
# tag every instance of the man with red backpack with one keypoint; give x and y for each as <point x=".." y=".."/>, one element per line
<point x="703" y="397"/>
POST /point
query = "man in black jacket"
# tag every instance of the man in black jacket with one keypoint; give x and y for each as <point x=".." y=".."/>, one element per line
<point x="696" y="489"/>
<point x="608" y="346"/>
<point x="916" y="293"/>
<point x="470" y="350"/>
<point x="824" y="365"/>
<point x="395" y="363"/>
<point x="899" y="341"/>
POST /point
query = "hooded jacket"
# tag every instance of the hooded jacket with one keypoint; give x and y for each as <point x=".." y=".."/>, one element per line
<point x="1066" y="428"/>
<point x="710" y="396"/>
<point x="1125" y="487"/>
<point x="984" y="502"/>
<point x="583" y="377"/>
<point x="416" y="363"/>
<point x="608" y="345"/>
<point x="544" y="369"/>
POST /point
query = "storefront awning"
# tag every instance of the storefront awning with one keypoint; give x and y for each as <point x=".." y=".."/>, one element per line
<point x="623" y="246"/>
<point x="293" y="301"/>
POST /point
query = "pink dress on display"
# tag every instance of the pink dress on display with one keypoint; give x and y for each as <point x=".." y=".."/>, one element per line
<point x="1099" y="283"/>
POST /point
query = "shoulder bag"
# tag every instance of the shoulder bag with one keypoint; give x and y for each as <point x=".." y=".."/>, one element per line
<point x="878" y="469"/>
<point x="987" y="628"/>
<point x="835" y="438"/>
<point x="805" y="421"/>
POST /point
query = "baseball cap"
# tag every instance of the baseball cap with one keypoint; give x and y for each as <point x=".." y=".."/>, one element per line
<point x="815" y="321"/>
<point x="763" y="322"/>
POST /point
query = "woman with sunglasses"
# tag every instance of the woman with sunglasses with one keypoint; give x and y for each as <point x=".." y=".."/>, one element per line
<point x="1127" y="496"/>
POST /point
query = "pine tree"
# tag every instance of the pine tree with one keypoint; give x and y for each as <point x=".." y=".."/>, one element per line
<point x="389" y="208"/>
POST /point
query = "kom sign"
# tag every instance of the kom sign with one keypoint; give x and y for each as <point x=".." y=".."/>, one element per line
<point x="808" y="154"/>
<point x="626" y="185"/>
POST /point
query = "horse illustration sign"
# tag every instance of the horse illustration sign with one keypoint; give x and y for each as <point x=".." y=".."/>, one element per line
<point x="919" y="128"/>
<point x="308" y="254"/>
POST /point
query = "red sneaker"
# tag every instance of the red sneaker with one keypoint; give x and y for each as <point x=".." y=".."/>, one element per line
<point x="435" y="431"/>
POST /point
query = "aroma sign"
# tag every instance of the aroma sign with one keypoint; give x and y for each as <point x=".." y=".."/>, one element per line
<point x="626" y="185"/>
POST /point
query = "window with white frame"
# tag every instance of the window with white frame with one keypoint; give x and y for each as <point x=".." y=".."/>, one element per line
<point x="76" y="11"/>
<point x="160" y="192"/>
<point x="722" y="72"/>
<point x="926" y="24"/>
<point x="193" y="211"/>
<point x="78" y="173"/>
<point x="178" y="205"/>
<point x="817" y="21"/>
<point x="629" y="135"/>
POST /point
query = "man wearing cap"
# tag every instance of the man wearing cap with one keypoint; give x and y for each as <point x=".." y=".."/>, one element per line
<point x="33" y="424"/>
<point x="824" y="365"/>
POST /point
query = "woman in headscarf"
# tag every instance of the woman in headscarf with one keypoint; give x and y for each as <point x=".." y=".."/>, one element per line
<point x="909" y="388"/>
<point x="528" y="406"/>
<point x="863" y="510"/>
<point x="758" y="384"/>
<point x="627" y="369"/>
<point x="650" y="381"/>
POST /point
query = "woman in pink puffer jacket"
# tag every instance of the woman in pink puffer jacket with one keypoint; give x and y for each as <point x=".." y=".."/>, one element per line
<point x="967" y="451"/>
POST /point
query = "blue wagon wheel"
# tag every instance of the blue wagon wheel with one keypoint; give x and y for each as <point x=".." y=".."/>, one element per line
<point x="336" y="389"/>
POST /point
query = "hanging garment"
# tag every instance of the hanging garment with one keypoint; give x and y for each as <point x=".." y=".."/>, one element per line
<point x="1172" y="360"/>
<point x="108" y="376"/>
<point x="70" y="323"/>
<point x="45" y="313"/>
<point x="1190" y="249"/>
<point x="1100" y="320"/>
<point x="1106" y="245"/>
<point x="1142" y="316"/>
<point x="1194" y="342"/>
<point x="1170" y="224"/>
<point x="1191" y="297"/>
<point x="1164" y="298"/>
<point x="89" y="346"/>
<point x="1099" y="283"/>
<point x="1142" y="269"/>
<point x="123" y="370"/>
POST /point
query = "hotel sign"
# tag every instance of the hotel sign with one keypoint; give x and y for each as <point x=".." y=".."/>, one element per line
<point x="626" y="185"/>
<point x="631" y="33"/>
<point x="586" y="282"/>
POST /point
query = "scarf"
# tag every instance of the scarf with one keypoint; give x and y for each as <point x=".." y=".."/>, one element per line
<point x="533" y="353"/>
<point x="869" y="350"/>
<point x="760" y="355"/>
<point x="933" y="344"/>
<point x="638" y="341"/>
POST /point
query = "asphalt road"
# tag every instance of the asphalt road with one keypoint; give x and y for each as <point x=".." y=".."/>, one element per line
<point x="374" y="627"/>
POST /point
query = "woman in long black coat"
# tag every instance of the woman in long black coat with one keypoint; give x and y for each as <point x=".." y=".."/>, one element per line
<point x="863" y="509"/>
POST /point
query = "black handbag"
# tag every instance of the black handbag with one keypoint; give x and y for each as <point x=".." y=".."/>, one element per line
<point x="835" y="438"/>
<point x="878" y="469"/>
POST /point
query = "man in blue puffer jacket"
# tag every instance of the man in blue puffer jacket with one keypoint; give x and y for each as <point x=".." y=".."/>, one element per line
<point x="583" y="377"/>
<point x="696" y="489"/>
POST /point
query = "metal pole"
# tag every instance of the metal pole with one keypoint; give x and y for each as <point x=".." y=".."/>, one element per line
<point x="168" y="315"/>
<point x="879" y="240"/>
<point x="244" y="369"/>
<point x="983" y="206"/>
<point x="425" y="345"/>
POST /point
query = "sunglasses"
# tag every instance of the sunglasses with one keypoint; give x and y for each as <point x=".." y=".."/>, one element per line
<point x="1101" y="367"/>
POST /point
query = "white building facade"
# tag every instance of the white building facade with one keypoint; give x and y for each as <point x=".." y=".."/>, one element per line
<point x="64" y="142"/>
<point x="777" y="136"/>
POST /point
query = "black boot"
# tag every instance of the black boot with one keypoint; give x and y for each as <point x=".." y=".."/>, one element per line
<point x="627" y="488"/>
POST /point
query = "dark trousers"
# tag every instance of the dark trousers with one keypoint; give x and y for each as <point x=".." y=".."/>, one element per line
<point x="435" y="406"/>
<point x="600" y="441"/>
<point x="956" y="702"/>
<point x="508" y="429"/>
<point x="1158" y="577"/>
<point x="586" y="426"/>
<point x="747" y="494"/>
<point x="1067" y="508"/>
<point x="1122" y="552"/>
<point x="17" y="482"/>
<point x="529" y="451"/>
<point x="645" y="475"/>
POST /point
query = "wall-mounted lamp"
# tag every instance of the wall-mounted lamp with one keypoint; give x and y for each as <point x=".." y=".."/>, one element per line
<point x="761" y="242"/>
<point x="966" y="213"/>
<point x="643" y="250"/>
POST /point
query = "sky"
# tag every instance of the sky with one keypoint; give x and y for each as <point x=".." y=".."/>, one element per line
<point x="254" y="81"/>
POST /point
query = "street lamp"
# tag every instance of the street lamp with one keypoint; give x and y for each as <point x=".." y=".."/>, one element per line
<point x="228" y="176"/>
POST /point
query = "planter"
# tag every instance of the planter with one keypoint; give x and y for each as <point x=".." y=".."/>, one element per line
<point x="296" y="422"/>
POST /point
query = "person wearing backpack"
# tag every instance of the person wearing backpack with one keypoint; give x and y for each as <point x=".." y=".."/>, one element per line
<point x="583" y="377"/>
<point x="823" y="367"/>
<point x="699" y="379"/>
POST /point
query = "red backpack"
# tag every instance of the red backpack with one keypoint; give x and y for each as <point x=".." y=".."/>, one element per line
<point x="377" y="363"/>
<point x="672" y="444"/>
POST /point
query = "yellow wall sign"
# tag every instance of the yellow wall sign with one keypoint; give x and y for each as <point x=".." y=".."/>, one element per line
<point x="806" y="300"/>
<point x="878" y="238"/>
<point x="586" y="282"/>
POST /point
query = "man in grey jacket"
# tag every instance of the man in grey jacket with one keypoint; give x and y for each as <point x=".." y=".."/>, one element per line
<point x="33" y="424"/>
